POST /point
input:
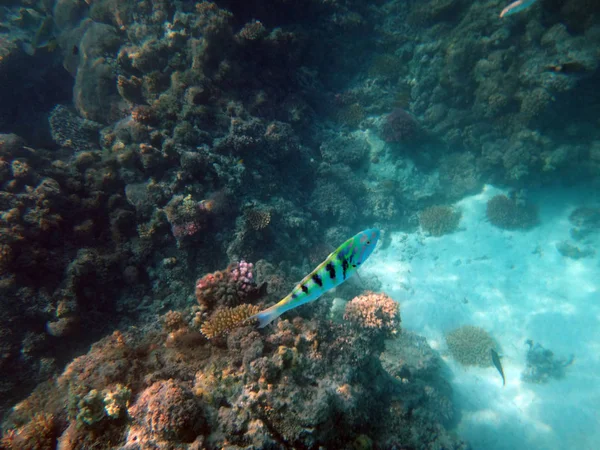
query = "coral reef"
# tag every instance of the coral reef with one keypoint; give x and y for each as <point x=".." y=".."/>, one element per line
<point x="586" y="222"/>
<point x="573" y="251"/>
<point x="225" y="320"/>
<point x="157" y="140"/>
<point x="418" y="369"/>
<point x="168" y="410"/>
<point x="286" y="386"/>
<point x="542" y="365"/>
<point x="511" y="213"/>
<point x="399" y="126"/>
<point x="374" y="312"/>
<point x="227" y="287"/>
<point x="471" y="346"/>
<point x="438" y="220"/>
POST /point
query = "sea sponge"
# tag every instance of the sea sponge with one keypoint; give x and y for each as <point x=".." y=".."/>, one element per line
<point x="374" y="312"/>
<point x="471" y="346"/>
<point x="438" y="220"/>
<point x="510" y="213"/>
<point x="169" y="410"/>
<point x="227" y="319"/>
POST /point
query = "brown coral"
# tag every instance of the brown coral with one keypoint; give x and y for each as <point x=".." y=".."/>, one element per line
<point x="438" y="220"/>
<point x="144" y="114"/>
<point x="257" y="218"/>
<point x="38" y="434"/>
<point x="374" y="311"/>
<point x="227" y="319"/>
<point x="169" y="410"/>
<point x="510" y="213"/>
<point x="173" y="321"/>
<point x="252" y="31"/>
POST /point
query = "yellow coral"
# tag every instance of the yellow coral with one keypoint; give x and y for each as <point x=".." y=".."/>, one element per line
<point x="116" y="400"/>
<point x="173" y="321"/>
<point x="227" y="319"/>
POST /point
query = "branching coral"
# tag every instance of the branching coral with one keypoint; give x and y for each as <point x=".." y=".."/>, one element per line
<point x="227" y="319"/>
<point x="375" y="312"/>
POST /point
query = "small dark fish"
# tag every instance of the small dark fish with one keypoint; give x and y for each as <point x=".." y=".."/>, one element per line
<point x="498" y="364"/>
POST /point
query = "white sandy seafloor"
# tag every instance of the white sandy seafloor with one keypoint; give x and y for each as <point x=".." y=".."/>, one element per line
<point x="517" y="286"/>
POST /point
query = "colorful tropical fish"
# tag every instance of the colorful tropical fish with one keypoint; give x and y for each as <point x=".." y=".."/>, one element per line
<point x="337" y="268"/>
<point x="517" y="6"/>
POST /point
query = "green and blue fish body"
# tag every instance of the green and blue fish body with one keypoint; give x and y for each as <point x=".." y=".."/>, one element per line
<point x="337" y="268"/>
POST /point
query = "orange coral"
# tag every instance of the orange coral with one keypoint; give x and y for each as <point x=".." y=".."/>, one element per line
<point x="227" y="319"/>
<point x="173" y="321"/>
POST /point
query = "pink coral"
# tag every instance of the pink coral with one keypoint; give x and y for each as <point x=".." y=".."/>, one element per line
<point x="374" y="311"/>
<point x="186" y="229"/>
<point x="242" y="275"/>
<point x="227" y="287"/>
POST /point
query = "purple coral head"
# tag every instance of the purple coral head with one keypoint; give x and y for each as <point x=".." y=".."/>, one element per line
<point x="242" y="275"/>
<point x="242" y="271"/>
<point x="399" y="126"/>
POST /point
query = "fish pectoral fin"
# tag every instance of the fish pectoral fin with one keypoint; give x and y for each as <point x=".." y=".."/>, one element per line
<point x="358" y="276"/>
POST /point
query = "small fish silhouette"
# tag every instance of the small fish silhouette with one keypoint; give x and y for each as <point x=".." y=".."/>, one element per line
<point x="498" y="364"/>
<point x="517" y="6"/>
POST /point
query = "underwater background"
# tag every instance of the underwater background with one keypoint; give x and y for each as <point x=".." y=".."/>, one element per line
<point x="169" y="169"/>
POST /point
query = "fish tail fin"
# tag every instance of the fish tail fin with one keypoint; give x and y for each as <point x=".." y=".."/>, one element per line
<point x="267" y="316"/>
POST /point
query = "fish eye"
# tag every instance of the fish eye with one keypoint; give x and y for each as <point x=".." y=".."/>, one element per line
<point x="368" y="242"/>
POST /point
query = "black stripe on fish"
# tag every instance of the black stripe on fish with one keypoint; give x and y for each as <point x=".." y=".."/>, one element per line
<point x="329" y="267"/>
<point x="304" y="289"/>
<point x="317" y="279"/>
<point x="344" y="267"/>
